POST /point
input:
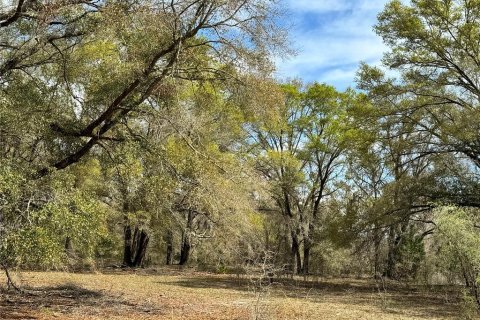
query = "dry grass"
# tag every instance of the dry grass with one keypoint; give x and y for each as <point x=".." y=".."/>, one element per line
<point x="170" y="294"/>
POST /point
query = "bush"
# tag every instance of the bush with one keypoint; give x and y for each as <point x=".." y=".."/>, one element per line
<point x="459" y="246"/>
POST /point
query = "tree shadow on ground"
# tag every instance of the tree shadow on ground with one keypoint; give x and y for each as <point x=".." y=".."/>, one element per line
<point x="63" y="299"/>
<point x="393" y="298"/>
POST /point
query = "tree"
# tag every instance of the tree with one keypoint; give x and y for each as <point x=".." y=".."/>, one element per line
<point x="81" y="78"/>
<point x="98" y="78"/>
<point x="434" y="52"/>
<point x="41" y="33"/>
<point x="212" y="184"/>
<point x="301" y="154"/>
<point x="430" y="99"/>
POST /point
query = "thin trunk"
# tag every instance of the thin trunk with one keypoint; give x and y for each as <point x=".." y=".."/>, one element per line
<point x="306" y="260"/>
<point x="377" y="241"/>
<point x="10" y="282"/>
<point x="169" y="241"/>
<point x="390" y="266"/>
<point x="393" y="235"/>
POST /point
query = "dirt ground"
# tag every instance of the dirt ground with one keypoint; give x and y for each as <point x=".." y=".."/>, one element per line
<point x="171" y="294"/>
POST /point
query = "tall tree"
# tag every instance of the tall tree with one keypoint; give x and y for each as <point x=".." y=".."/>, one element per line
<point x="301" y="155"/>
<point x="428" y="109"/>
<point x="121" y="54"/>
<point x="80" y="78"/>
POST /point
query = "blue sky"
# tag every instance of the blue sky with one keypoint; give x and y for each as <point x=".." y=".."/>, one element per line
<point x="331" y="38"/>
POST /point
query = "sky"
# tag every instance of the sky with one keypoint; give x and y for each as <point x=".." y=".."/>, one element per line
<point x="331" y="38"/>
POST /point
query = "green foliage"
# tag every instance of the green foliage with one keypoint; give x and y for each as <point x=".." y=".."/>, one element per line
<point x="39" y="216"/>
<point x="458" y="243"/>
<point x="411" y="254"/>
<point x="302" y="154"/>
<point x="432" y="51"/>
<point x="458" y="238"/>
<point x="41" y="242"/>
<point x="469" y="307"/>
<point x="330" y="260"/>
<point x="34" y="247"/>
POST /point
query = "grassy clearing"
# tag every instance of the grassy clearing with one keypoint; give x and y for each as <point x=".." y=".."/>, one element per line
<point x="169" y="294"/>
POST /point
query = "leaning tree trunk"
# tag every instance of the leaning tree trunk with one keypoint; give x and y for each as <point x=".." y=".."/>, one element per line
<point x="135" y="246"/>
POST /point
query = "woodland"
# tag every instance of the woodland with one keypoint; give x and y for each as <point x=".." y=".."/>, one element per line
<point x="137" y="134"/>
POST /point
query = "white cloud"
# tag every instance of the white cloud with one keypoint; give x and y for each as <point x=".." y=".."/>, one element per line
<point x="318" y="5"/>
<point x="330" y="51"/>
<point x="333" y="5"/>
<point x="332" y="38"/>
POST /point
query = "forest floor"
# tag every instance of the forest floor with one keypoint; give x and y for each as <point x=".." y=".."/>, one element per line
<point x="174" y="294"/>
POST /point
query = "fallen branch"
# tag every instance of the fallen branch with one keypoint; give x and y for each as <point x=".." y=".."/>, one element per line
<point x="10" y="282"/>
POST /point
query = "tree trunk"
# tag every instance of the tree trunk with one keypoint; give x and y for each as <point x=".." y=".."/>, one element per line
<point x="471" y="276"/>
<point x="390" y="265"/>
<point x="127" y="245"/>
<point x="69" y="247"/>
<point x="307" y="246"/>
<point x="141" y="243"/>
<point x="135" y="246"/>
<point x="185" y="252"/>
<point x="394" y="242"/>
<point x="10" y="282"/>
<point x="377" y="241"/>
<point x="169" y="241"/>
<point x="186" y="244"/>
<point x="296" y="258"/>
